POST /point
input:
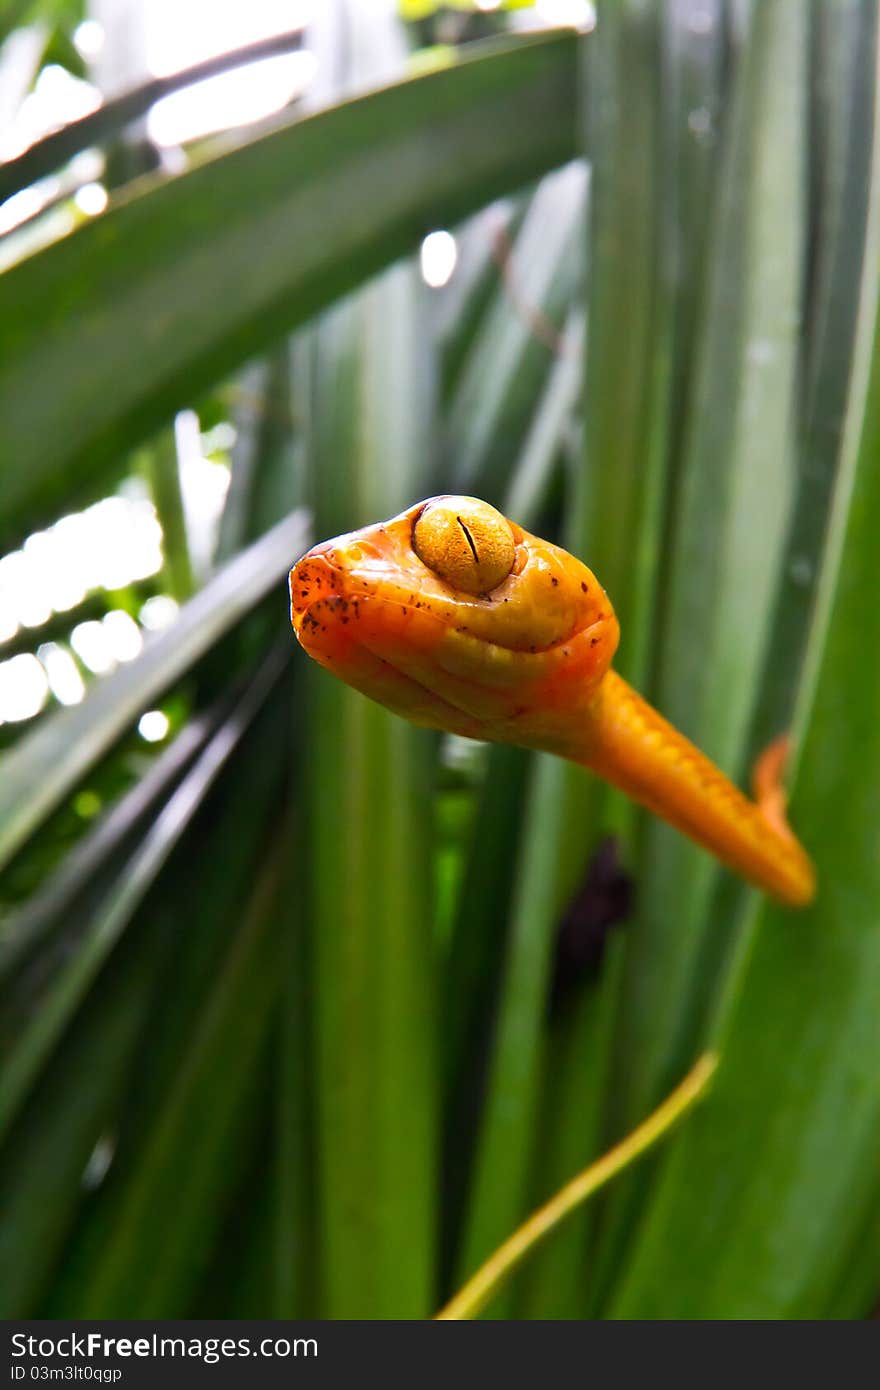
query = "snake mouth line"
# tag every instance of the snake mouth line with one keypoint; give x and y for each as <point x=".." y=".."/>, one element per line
<point x="339" y="605"/>
<point x="592" y="631"/>
<point x="361" y="589"/>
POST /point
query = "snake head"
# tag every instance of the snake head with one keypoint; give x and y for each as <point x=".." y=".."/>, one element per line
<point x="458" y="619"/>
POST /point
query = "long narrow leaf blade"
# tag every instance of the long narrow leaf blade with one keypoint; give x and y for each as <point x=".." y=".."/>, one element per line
<point x="179" y="284"/>
<point x="110" y="921"/>
<point x="788" y="1143"/>
<point x="39" y="772"/>
<point x="732" y="511"/>
<point x="370" y="821"/>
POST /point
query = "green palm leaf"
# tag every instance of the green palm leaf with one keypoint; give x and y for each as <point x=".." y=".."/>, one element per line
<point x="278" y="1029"/>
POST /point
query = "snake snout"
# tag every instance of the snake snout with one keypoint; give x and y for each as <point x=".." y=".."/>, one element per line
<point x="314" y="582"/>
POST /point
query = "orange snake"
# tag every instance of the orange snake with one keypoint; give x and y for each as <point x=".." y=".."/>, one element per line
<point x="458" y="619"/>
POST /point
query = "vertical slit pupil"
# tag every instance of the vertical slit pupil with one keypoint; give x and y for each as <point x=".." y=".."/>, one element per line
<point x="470" y="540"/>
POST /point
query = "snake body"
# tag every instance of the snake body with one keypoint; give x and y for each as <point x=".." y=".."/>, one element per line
<point x="458" y="619"/>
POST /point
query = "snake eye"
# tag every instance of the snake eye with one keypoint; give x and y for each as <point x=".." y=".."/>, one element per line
<point x="466" y="542"/>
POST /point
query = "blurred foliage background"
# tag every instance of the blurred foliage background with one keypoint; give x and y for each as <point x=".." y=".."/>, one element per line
<point x="304" y="1009"/>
